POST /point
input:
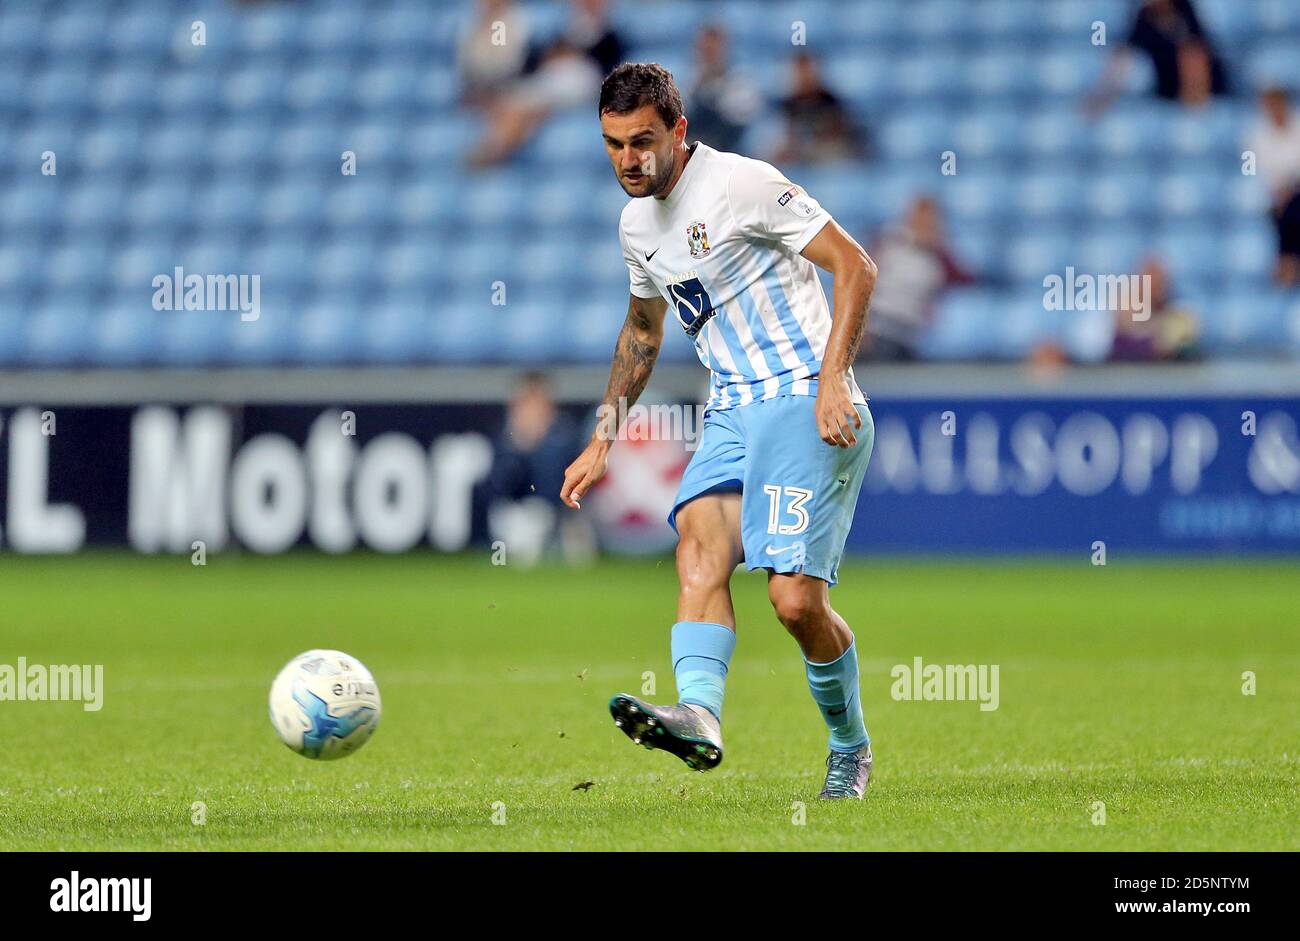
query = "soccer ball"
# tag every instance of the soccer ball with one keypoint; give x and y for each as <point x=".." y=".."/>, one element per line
<point x="324" y="704"/>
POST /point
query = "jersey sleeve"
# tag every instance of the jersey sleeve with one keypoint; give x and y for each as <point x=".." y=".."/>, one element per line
<point x="767" y="206"/>
<point x="639" y="282"/>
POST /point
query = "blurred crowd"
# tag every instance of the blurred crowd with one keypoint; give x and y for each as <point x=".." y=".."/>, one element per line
<point x="520" y="82"/>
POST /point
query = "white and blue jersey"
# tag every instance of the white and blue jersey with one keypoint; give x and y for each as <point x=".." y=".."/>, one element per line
<point x="723" y="250"/>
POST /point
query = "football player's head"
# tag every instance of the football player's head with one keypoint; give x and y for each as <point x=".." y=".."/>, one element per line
<point x="644" y="129"/>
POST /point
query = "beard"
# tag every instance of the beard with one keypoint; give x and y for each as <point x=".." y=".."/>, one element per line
<point x="651" y="184"/>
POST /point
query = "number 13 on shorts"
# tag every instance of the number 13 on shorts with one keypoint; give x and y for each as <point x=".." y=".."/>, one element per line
<point x="786" y="503"/>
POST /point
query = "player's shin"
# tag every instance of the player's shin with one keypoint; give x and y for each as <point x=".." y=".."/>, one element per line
<point x="834" y="688"/>
<point x="701" y="655"/>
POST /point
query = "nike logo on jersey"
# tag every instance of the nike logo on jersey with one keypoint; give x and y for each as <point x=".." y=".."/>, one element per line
<point x="771" y="551"/>
<point x="649" y="255"/>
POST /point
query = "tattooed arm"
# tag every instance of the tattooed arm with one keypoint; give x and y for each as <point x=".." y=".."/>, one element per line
<point x="834" y="250"/>
<point x="634" y="359"/>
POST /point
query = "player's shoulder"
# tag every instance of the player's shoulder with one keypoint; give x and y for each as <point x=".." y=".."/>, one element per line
<point x="727" y="167"/>
<point x="750" y="180"/>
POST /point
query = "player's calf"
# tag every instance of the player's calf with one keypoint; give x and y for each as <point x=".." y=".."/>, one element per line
<point x="802" y="605"/>
<point x="830" y="655"/>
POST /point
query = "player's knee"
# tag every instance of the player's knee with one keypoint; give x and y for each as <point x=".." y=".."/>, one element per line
<point x="701" y="565"/>
<point x="799" y="607"/>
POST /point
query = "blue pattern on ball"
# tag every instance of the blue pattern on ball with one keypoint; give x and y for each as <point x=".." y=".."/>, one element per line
<point x="323" y="725"/>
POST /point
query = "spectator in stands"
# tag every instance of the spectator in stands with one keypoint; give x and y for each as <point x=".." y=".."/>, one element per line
<point x="1169" y="33"/>
<point x="1275" y="141"/>
<point x="536" y="445"/>
<point x="518" y="502"/>
<point x="721" y="102"/>
<point x="492" y="51"/>
<point x="1156" y="327"/>
<point x="818" y="126"/>
<point x="568" y="75"/>
<point x="916" y="266"/>
<point x="589" y="30"/>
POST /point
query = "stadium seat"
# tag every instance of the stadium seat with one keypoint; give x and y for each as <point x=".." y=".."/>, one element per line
<point x="226" y="158"/>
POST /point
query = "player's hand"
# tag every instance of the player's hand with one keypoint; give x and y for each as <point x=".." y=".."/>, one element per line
<point x="837" y="418"/>
<point x="582" y="474"/>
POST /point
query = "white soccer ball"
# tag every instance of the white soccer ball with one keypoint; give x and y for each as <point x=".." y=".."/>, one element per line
<point x="324" y="704"/>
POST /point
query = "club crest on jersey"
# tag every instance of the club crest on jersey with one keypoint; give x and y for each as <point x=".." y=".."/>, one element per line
<point x="697" y="238"/>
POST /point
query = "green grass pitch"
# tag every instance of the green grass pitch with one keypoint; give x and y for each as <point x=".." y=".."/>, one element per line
<point x="1120" y="684"/>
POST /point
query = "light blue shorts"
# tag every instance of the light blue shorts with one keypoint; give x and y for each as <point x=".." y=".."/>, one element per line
<point x="797" y="492"/>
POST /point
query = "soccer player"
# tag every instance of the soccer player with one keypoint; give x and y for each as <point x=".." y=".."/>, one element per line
<point x="728" y="245"/>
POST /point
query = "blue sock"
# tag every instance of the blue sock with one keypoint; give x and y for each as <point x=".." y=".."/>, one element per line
<point x="701" y="653"/>
<point x="834" y="688"/>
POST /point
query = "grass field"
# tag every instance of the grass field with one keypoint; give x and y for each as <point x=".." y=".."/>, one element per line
<point x="1119" y="684"/>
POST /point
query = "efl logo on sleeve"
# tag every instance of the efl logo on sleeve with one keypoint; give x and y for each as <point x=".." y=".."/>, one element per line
<point x="799" y="204"/>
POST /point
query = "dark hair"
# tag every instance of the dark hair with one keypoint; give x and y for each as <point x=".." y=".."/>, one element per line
<point x="534" y="380"/>
<point x="634" y="84"/>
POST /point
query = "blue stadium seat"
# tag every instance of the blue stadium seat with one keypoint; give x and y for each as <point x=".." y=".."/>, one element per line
<point x="1229" y="21"/>
<point x="21" y="29"/>
<point x="978" y="198"/>
<point x="293" y="202"/>
<point x="396" y="331"/>
<point x="1087" y="335"/>
<point x="1193" y="253"/>
<point x="1033" y="254"/>
<point x="182" y="93"/>
<point x="35" y="204"/>
<point x="76" y="261"/>
<point x="927" y="73"/>
<point x="1068" y="69"/>
<point x="225" y="158"/>
<point x="58" y="332"/>
<point x="12" y="329"/>
<point x="921" y="134"/>
<point x="319" y="86"/>
<point x="1112" y="250"/>
<point x="126" y="335"/>
<point x="1250" y="250"/>
<point x="1291" y="316"/>
<point x="999" y="21"/>
<point x="269" y="340"/>
<point x="999" y="73"/>
<point x="126" y="87"/>
<point x="1117" y="196"/>
<point x="963" y="325"/>
<point x="1134" y="131"/>
<point x="1187" y="194"/>
<point x="1246" y="196"/>
<point x="22" y="264"/>
<point x="326" y="331"/>
<point x="1273" y="61"/>
<point x="993" y="134"/>
<point x="1247" y="320"/>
